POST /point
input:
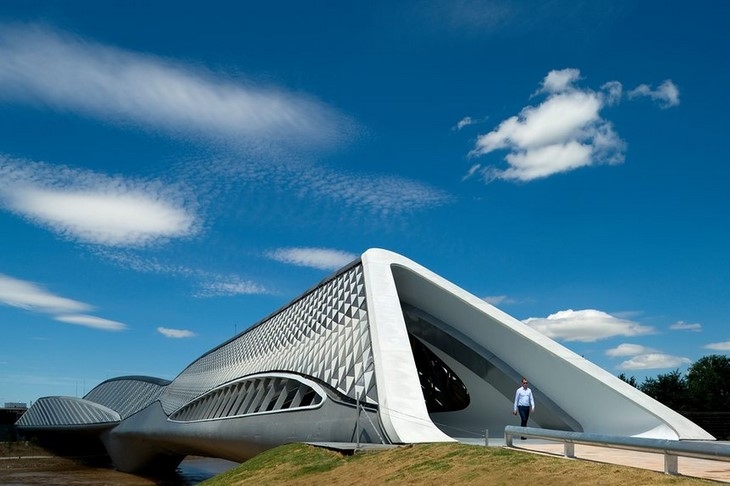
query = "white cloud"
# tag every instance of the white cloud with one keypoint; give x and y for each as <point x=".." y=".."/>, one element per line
<point x="319" y="258"/>
<point x="63" y="71"/>
<point x="29" y="296"/>
<point x="667" y="94"/>
<point x="627" y="349"/>
<point x="684" y="326"/>
<point x="558" y="81"/>
<point x="92" y="208"/>
<point x="175" y="333"/>
<point x="562" y="133"/>
<point x="653" y="361"/>
<point x="93" y="322"/>
<point x="559" y="119"/>
<point x="120" y="218"/>
<point x="585" y="325"/>
<point x="723" y="346"/>
<point x="546" y="161"/>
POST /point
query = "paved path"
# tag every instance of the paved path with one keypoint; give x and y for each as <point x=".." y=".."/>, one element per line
<point x="699" y="468"/>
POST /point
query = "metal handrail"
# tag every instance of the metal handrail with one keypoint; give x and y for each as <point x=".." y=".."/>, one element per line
<point x="671" y="449"/>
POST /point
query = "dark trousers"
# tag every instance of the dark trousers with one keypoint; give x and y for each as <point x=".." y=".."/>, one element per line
<point x="524" y="414"/>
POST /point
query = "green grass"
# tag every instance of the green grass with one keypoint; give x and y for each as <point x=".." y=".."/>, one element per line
<point x="432" y="464"/>
<point x="283" y="463"/>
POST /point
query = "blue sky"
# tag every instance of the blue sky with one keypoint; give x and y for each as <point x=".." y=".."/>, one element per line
<point x="172" y="172"/>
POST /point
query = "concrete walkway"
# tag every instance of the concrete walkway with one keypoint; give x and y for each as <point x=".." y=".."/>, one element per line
<point x="698" y="468"/>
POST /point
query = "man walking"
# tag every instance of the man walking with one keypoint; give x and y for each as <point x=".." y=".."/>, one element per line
<point x="524" y="403"/>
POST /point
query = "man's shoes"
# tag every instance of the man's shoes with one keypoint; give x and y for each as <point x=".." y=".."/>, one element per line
<point x="523" y="438"/>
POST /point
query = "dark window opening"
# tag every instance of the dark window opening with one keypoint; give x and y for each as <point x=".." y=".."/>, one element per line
<point x="272" y="403"/>
<point x="442" y="389"/>
<point x="308" y="398"/>
<point x="289" y="398"/>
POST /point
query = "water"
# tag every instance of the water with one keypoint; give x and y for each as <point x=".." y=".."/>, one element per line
<point x="195" y="470"/>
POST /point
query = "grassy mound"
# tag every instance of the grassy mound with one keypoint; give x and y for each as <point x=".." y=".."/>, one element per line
<point x="432" y="464"/>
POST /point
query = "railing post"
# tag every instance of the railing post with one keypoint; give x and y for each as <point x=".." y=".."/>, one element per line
<point x="671" y="464"/>
<point x="568" y="449"/>
<point x="486" y="437"/>
<point x="357" y="421"/>
<point x="671" y="450"/>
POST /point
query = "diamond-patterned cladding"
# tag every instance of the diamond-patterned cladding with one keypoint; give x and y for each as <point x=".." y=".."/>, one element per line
<point x="325" y="334"/>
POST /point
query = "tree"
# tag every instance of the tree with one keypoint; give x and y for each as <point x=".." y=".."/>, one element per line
<point x="670" y="389"/>
<point x="631" y="381"/>
<point x="708" y="383"/>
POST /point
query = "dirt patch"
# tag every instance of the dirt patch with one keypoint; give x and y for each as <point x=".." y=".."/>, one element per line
<point x="59" y="471"/>
<point x="18" y="449"/>
<point x="25" y="464"/>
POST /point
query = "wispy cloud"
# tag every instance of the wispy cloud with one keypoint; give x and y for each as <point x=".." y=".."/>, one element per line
<point x="130" y="261"/>
<point x="319" y="258"/>
<point x="208" y="284"/>
<point x="388" y="194"/>
<point x="48" y="67"/>
<point x="376" y="194"/>
<point x="563" y="133"/>
<point x="666" y="95"/>
<point x="230" y="286"/>
<point x="92" y="208"/>
<point x="93" y="322"/>
<point x="585" y="325"/>
<point x="32" y="297"/>
<point x="722" y="346"/>
<point x="653" y="361"/>
<point x="466" y="16"/>
<point x="498" y="299"/>
<point x="175" y="333"/>
<point x="381" y="194"/>
<point x="510" y="19"/>
<point x="685" y="326"/>
<point x="467" y="121"/>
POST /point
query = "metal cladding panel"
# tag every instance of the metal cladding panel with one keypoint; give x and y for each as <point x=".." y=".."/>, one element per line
<point x="66" y="411"/>
<point x="127" y="395"/>
<point x="324" y="335"/>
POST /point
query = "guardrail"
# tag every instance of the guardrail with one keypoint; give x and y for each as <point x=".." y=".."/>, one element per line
<point x="671" y="449"/>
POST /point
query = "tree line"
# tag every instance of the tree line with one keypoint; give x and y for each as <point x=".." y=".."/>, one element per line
<point x="704" y="388"/>
<point x="703" y="391"/>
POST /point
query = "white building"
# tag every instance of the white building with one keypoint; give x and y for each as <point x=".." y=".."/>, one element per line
<point x="384" y="351"/>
